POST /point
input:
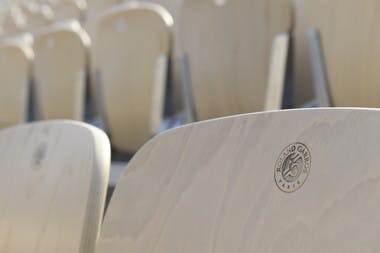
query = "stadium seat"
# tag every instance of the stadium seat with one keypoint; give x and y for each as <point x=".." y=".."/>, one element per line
<point x="37" y="17"/>
<point x="14" y="24"/>
<point x="15" y="75"/>
<point x="240" y="185"/>
<point x="60" y="69"/>
<point x="69" y="9"/>
<point x="227" y="46"/>
<point x="176" y="99"/>
<point x="95" y="8"/>
<point x="347" y="62"/>
<point x="132" y="47"/>
<point x="53" y="177"/>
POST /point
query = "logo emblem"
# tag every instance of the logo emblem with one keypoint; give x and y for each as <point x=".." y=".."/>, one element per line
<point x="292" y="167"/>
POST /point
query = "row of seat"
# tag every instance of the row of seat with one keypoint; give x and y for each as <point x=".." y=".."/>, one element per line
<point x="235" y="184"/>
<point x="232" y="58"/>
<point x="122" y="42"/>
<point x="31" y="16"/>
<point x="60" y="87"/>
<point x="130" y="88"/>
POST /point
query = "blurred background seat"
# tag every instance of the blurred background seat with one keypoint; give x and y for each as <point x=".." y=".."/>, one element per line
<point x="37" y="16"/>
<point x="15" y="76"/>
<point x="14" y="22"/>
<point x="131" y="55"/>
<point x="69" y="9"/>
<point x="95" y="9"/>
<point x="349" y="32"/>
<point x="60" y="71"/>
<point x="175" y="91"/>
<point x="228" y="45"/>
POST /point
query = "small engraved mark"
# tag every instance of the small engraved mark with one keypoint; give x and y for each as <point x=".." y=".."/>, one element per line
<point x="292" y="167"/>
<point x="39" y="155"/>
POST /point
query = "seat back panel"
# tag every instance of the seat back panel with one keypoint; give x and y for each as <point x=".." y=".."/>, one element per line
<point x="53" y="178"/>
<point x="130" y="44"/>
<point x="240" y="184"/>
<point x="60" y="67"/>
<point x="15" y="70"/>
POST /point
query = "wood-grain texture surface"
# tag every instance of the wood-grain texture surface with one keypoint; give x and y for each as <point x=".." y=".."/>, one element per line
<point x="60" y="67"/>
<point x="350" y="32"/>
<point x="210" y="187"/>
<point x="53" y="177"/>
<point x="132" y="46"/>
<point x="228" y="43"/>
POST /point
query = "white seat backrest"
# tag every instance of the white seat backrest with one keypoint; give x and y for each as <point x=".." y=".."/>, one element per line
<point x="228" y="44"/>
<point x="288" y="181"/>
<point x="132" y="47"/>
<point x="53" y="178"/>
<point x="15" y="68"/>
<point x="60" y="67"/>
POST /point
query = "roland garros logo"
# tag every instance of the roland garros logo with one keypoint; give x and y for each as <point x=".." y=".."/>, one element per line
<point x="292" y="167"/>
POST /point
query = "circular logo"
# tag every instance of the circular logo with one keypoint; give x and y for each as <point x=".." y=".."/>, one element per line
<point x="292" y="167"/>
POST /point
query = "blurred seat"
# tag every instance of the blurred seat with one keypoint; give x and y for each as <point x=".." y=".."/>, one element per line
<point x="132" y="48"/>
<point x="53" y="177"/>
<point x="69" y="9"/>
<point x="60" y="69"/>
<point x="38" y="16"/>
<point x="14" y="23"/>
<point x="228" y="46"/>
<point x="238" y="184"/>
<point x="175" y="92"/>
<point x="349" y="57"/>
<point x="95" y="8"/>
<point x="15" y="73"/>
